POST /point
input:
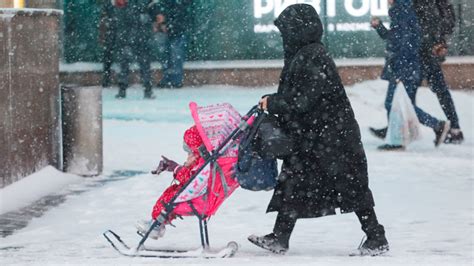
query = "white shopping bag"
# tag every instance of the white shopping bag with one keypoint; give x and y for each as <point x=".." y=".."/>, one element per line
<point x="403" y="124"/>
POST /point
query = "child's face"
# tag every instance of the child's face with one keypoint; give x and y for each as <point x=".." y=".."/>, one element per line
<point x="191" y="159"/>
<point x="390" y="2"/>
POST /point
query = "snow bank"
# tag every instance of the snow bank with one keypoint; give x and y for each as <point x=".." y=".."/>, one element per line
<point x="33" y="187"/>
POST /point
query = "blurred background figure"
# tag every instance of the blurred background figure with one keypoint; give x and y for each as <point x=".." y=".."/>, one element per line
<point x="133" y="28"/>
<point x="172" y="17"/>
<point x="107" y="29"/>
<point x="437" y="21"/>
<point x="402" y="64"/>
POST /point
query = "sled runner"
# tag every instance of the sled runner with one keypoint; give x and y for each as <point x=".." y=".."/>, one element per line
<point x="150" y="252"/>
<point x="220" y="127"/>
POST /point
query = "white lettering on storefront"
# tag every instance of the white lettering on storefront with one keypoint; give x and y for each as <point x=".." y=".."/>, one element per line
<point x="264" y="7"/>
<point x="355" y="8"/>
<point x="357" y="12"/>
<point x="379" y="8"/>
<point x="352" y="8"/>
<point x="261" y="7"/>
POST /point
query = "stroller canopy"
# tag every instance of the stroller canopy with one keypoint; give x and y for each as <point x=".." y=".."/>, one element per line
<point x="214" y="123"/>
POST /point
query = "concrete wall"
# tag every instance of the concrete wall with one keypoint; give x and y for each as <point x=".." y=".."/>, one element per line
<point x="29" y="93"/>
<point x="82" y="130"/>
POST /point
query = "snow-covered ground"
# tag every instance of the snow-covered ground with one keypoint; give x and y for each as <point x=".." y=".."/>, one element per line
<point x="424" y="195"/>
<point x="28" y="190"/>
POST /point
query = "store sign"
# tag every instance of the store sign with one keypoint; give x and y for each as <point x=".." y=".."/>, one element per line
<point x="342" y="15"/>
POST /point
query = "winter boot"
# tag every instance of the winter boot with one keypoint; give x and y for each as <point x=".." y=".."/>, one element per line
<point x="441" y="131"/>
<point x="455" y="136"/>
<point x="164" y="85"/>
<point x="169" y="85"/>
<point x="270" y="242"/>
<point x="149" y="94"/>
<point x="390" y="147"/>
<point x="143" y="226"/>
<point x="122" y="93"/>
<point x="378" y="133"/>
<point x="375" y="244"/>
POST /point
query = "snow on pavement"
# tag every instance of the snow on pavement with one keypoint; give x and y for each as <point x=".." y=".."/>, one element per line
<point x="34" y="187"/>
<point x="423" y="195"/>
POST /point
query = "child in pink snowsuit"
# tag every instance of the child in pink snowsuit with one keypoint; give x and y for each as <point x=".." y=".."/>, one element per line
<point x="192" y="142"/>
<point x="213" y="183"/>
<point x="181" y="173"/>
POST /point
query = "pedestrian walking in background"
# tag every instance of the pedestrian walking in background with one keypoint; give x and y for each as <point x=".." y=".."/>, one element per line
<point x="133" y="30"/>
<point x="437" y="20"/>
<point x="173" y="18"/>
<point x="402" y="64"/>
<point x="328" y="170"/>
<point x="107" y="32"/>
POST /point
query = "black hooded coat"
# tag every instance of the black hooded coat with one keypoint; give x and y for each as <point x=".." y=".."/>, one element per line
<point x="329" y="169"/>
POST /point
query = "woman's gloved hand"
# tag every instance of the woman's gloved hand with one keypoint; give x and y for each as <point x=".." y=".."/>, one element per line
<point x="165" y="165"/>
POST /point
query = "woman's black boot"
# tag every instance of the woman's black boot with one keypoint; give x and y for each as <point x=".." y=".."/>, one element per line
<point x="376" y="243"/>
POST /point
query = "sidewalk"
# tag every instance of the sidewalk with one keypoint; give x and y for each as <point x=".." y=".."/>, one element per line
<point x="14" y="220"/>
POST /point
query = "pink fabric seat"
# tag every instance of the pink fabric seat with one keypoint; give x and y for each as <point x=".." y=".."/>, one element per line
<point x="209" y="190"/>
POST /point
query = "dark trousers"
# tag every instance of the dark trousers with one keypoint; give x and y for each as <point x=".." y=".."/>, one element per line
<point x="173" y="61"/>
<point x="411" y="88"/>
<point x="285" y="223"/>
<point x="433" y="73"/>
<point x="127" y="55"/>
<point x="108" y="57"/>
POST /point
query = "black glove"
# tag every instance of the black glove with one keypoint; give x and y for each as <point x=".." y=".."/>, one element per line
<point x="165" y="165"/>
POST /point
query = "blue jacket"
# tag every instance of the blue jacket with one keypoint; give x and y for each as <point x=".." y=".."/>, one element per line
<point x="403" y="43"/>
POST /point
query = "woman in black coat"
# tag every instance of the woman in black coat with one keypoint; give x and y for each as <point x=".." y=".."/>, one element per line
<point x="329" y="168"/>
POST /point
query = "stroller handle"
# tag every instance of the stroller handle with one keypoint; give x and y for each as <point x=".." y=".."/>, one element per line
<point x="252" y="111"/>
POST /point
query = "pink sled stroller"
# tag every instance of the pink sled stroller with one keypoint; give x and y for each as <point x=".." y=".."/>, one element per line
<point x="220" y="127"/>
